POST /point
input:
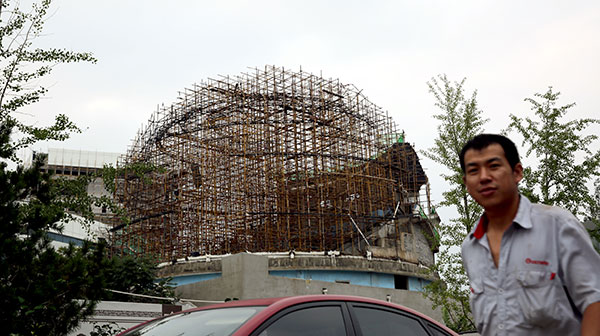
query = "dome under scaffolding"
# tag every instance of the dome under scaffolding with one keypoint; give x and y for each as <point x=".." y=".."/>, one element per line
<point x="268" y="161"/>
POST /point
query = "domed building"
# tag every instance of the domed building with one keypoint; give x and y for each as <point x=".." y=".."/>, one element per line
<point x="275" y="183"/>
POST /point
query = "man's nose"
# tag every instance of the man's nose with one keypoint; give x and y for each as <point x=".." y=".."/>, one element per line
<point x="484" y="175"/>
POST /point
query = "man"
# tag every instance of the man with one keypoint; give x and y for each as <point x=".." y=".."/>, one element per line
<point x="531" y="267"/>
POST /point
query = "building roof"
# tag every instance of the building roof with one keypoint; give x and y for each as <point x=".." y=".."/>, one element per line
<point x="81" y="158"/>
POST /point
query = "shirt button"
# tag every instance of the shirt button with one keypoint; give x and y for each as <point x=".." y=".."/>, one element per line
<point x="501" y="326"/>
<point x="500" y="290"/>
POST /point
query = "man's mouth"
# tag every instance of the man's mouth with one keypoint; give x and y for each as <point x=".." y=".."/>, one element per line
<point x="487" y="191"/>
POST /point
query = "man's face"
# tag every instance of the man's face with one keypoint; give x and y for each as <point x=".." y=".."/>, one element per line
<point x="489" y="178"/>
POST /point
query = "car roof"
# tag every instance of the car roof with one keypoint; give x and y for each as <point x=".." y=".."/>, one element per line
<point x="294" y="300"/>
<point x="279" y="303"/>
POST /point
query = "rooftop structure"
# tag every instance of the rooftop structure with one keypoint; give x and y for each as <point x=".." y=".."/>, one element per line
<point x="270" y="161"/>
<point x="68" y="163"/>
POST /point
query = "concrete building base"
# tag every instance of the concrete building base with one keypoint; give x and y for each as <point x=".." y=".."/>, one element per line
<point x="246" y="276"/>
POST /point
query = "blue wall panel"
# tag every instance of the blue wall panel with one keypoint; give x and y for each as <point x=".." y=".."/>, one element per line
<point x="189" y="279"/>
<point x="370" y="279"/>
<point x="417" y="284"/>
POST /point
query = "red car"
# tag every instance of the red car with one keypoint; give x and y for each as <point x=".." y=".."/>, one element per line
<point x="330" y="315"/>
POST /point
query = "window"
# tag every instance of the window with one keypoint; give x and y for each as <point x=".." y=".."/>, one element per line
<point x="437" y="331"/>
<point x="374" y="321"/>
<point x="311" y="321"/>
<point x="400" y="282"/>
<point x="215" y="322"/>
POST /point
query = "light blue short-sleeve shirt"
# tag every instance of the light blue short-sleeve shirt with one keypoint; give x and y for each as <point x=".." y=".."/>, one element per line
<point x="544" y="253"/>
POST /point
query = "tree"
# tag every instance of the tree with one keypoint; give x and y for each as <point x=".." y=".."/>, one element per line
<point x="42" y="291"/>
<point x="48" y="292"/>
<point x="594" y="215"/>
<point x="107" y="329"/>
<point x="22" y="66"/>
<point x="566" y="165"/>
<point x="135" y="275"/>
<point x="460" y="120"/>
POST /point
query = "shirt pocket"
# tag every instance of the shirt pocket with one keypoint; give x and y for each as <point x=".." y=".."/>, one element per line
<point x="537" y="296"/>
<point x="479" y="308"/>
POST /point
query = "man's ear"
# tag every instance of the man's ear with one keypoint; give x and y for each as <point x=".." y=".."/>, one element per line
<point x="518" y="172"/>
<point x="464" y="178"/>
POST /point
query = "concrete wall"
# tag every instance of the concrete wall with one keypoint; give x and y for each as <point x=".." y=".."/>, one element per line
<point x="413" y="244"/>
<point x="422" y="244"/>
<point x="348" y="263"/>
<point x="246" y="276"/>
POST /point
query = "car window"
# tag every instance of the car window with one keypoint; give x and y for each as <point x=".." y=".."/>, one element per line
<point x="373" y="321"/>
<point x="437" y="331"/>
<point x="311" y="321"/>
<point x="214" y="322"/>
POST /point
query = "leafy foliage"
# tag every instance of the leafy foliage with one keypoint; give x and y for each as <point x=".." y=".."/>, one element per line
<point x="594" y="215"/>
<point x="22" y="67"/>
<point x="73" y="194"/>
<point x="108" y="329"/>
<point x="565" y="163"/>
<point x="136" y="170"/>
<point x="135" y="275"/>
<point x="42" y="291"/>
<point x="460" y="120"/>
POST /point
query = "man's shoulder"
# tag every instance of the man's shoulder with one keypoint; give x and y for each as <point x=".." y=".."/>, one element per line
<point x="554" y="217"/>
<point x="469" y="238"/>
<point x="551" y="211"/>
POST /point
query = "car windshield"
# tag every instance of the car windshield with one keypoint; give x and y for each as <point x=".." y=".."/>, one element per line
<point x="212" y="322"/>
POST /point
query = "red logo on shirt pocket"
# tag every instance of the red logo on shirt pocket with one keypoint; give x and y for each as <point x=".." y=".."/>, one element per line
<point x="537" y="262"/>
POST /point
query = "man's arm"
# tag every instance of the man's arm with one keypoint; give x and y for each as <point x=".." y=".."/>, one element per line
<point x="590" y="326"/>
<point x="579" y="267"/>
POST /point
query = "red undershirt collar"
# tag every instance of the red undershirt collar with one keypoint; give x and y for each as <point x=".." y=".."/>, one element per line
<point x="520" y="219"/>
<point x="481" y="227"/>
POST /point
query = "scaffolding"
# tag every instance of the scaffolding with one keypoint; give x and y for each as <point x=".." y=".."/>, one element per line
<point x="269" y="160"/>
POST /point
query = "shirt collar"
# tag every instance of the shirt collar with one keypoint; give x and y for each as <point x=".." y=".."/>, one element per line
<point x="523" y="218"/>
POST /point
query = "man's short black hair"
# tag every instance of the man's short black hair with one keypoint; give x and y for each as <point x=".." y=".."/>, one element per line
<point x="481" y="141"/>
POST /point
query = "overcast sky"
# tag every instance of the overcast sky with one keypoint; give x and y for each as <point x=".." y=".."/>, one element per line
<point x="149" y="50"/>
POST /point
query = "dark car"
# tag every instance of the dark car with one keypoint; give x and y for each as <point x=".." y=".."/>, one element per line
<point x="331" y="315"/>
